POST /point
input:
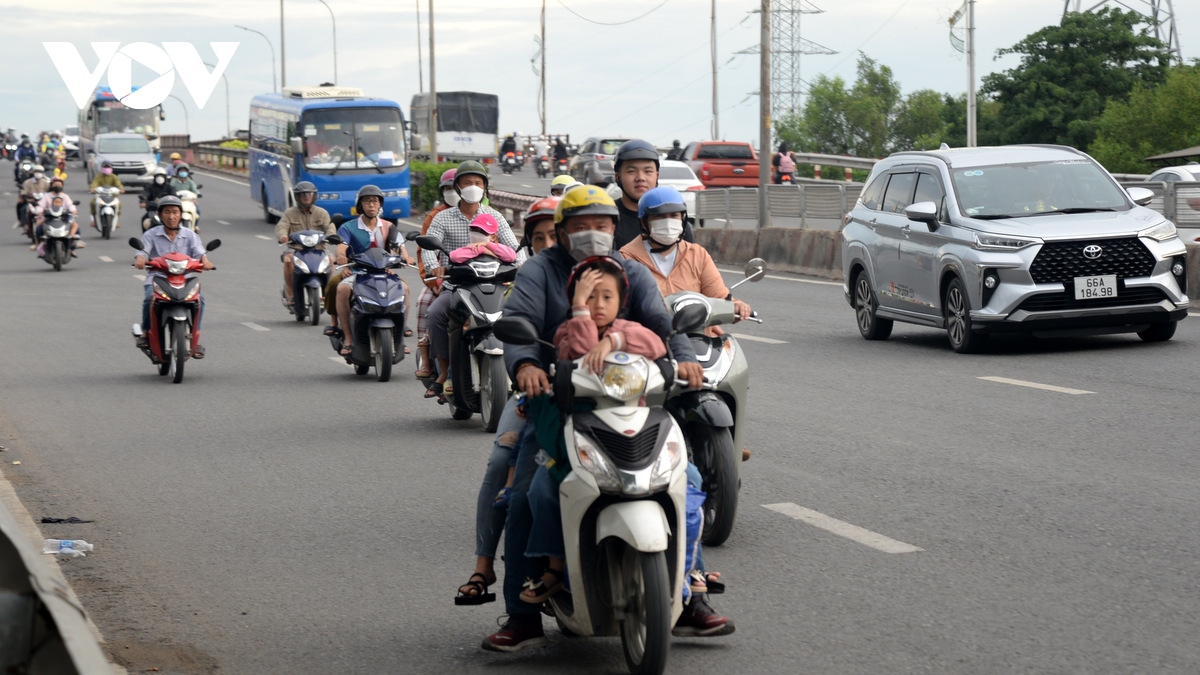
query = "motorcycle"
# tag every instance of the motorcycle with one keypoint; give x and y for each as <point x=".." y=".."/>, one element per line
<point x="377" y="309"/>
<point x="543" y="166"/>
<point x="150" y="218"/>
<point x="476" y="356"/>
<point x="28" y="216"/>
<point x="520" y="160"/>
<point x="55" y="247"/>
<point x="174" y="310"/>
<point x="24" y="172"/>
<point x="623" y="504"/>
<point x="310" y="273"/>
<point x="104" y="211"/>
<point x="510" y="162"/>
<point x="10" y="150"/>
<point x="191" y="218"/>
<point x="561" y="168"/>
<point x="712" y="417"/>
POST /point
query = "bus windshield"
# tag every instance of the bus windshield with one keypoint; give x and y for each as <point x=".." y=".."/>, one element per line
<point x="353" y="138"/>
<point x="122" y="146"/>
<point x="130" y="120"/>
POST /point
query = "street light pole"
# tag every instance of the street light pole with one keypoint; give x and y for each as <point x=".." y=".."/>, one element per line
<point x="764" y="114"/>
<point x="334" y="20"/>
<point x="272" y="48"/>
<point x="972" y="113"/>
<point x="228" y="126"/>
<point x="282" y="52"/>
<point x="433" y="155"/>
<point x="420" y="64"/>
<point x="187" y="122"/>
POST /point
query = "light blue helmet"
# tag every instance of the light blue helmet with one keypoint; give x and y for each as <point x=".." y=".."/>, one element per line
<point x="660" y="201"/>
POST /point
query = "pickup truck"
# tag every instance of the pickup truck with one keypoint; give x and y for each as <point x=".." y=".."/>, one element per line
<point x="723" y="163"/>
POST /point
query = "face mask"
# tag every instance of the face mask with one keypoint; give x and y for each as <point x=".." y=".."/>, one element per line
<point x="666" y="231"/>
<point x="159" y="179"/>
<point x="472" y="194"/>
<point x="106" y="170"/>
<point x="56" y="188"/>
<point x="479" y="237"/>
<point x="183" y="174"/>
<point x="450" y="197"/>
<point x="590" y="243"/>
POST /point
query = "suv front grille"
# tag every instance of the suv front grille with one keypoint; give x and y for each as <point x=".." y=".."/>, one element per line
<point x="1050" y="302"/>
<point x="1062" y="261"/>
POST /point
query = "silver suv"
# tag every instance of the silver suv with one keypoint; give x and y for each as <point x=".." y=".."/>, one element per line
<point x="1038" y="239"/>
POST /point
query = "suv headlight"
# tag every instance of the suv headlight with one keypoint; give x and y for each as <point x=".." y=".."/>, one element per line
<point x="624" y="381"/>
<point x="1003" y="242"/>
<point x="1161" y="232"/>
<point x="593" y="460"/>
<point x="673" y="451"/>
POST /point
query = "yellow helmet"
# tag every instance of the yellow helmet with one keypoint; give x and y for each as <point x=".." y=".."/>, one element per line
<point x="585" y="200"/>
<point x="562" y="179"/>
<point x="176" y="155"/>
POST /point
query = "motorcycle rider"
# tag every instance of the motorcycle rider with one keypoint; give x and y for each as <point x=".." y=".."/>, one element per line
<point x="182" y="180"/>
<point x="509" y="145"/>
<point x="25" y="151"/>
<point x="176" y="160"/>
<point x="635" y="168"/>
<point x="158" y="188"/>
<point x="33" y="186"/>
<point x="676" y="152"/>
<point x="431" y="286"/>
<point x="560" y="150"/>
<point x="585" y="222"/>
<point x="56" y="207"/>
<point x="106" y="178"/>
<point x="559" y="184"/>
<point x="161" y="240"/>
<point x="305" y="215"/>
<point x="452" y="226"/>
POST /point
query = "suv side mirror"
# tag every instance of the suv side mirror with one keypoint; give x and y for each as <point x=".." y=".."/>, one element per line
<point x="923" y="212"/>
<point x="1141" y="196"/>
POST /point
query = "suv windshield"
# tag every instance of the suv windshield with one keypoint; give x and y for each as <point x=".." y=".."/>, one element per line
<point x="353" y="138"/>
<point x="609" y="146"/>
<point x="123" y="146"/>
<point x="1016" y="190"/>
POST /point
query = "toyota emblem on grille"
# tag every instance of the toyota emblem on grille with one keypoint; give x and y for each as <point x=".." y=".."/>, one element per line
<point x="1092" y="251"/>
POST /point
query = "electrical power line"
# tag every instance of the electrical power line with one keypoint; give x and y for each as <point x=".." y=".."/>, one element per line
<point x="615" y="23"/>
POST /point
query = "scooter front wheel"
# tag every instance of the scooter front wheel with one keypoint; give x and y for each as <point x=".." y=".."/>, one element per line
<point x="182" y="347"/>
<point x="314" y="306"/>
<point x="646" y="629"/>
<point x="715" y="446"/>
<point x="384" y="354"/>
<point x="164" y="367"/>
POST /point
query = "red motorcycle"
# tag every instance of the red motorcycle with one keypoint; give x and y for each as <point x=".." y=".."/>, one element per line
<point x="174" y="310"/>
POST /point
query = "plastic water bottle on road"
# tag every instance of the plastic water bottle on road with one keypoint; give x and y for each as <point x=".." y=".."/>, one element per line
<point x="68" y="548"/>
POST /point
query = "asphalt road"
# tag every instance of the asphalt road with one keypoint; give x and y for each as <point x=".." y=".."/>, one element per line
<point x="275" y="513"/>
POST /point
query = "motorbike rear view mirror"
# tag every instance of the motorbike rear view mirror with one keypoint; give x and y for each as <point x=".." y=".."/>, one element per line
<point x="689" y="318"/>
<point x="756" y="269"/>
<point x="135" y="243"/>
<point x="333" y="239"/>
<point x="430" y="243"/>
<point x="213" y="245"/>
<point x="411" y="235"/>
<point x="515" y="331"/>
<point x="338" y="219"/>
<point x="76" y="202"/>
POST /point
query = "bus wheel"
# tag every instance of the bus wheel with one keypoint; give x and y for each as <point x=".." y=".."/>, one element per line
<point x="271" y="219"/>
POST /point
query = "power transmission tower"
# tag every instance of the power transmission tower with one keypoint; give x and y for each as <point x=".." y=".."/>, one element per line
<point x="1159" y="13"/>
<point x="787" y="46"/>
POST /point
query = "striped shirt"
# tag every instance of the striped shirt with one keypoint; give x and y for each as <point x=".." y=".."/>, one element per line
<point x="453" y="228"/>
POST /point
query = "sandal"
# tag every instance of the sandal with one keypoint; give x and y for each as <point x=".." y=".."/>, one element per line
<point x="537" y="592"/>
<point x="479" y="584"/>
<point x="345" y="351"/>
<point x="449" y="390"/>
<point x="434" y="390"/>
<point x="423" y="374"/>
<point x="408" y="332"/>
<point x="502" y="498"/>
<point x="333" y="331"/>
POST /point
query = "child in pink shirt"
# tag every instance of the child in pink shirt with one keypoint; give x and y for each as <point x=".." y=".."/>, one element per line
<point x="597" y="289"/>
<point x="484" y="241"/>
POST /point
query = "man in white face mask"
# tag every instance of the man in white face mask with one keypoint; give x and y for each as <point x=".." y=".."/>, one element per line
<point x="453" y="228"/>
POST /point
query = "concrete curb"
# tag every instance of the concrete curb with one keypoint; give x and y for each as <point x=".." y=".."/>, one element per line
<point x="810" y="252"/>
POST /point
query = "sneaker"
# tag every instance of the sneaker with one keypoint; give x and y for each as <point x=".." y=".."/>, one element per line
<point x="81" y="244"/>
<point x="700" y="620"/>
<point x="521" y="631"/>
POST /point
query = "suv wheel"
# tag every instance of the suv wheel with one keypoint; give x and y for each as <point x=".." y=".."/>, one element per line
<point x="865" y="306"/>
<point x="1159" y="332"/>
<point x="956" y="309"/>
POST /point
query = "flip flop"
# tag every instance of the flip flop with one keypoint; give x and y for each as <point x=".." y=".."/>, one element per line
<point x="333" y="331"/>
<point x="434" y="390"/>
<point x="479" y="584"/>
<point x="408" y="332"/>
<point x="541" y="591"/>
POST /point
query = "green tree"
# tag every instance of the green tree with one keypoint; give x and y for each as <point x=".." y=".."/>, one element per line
<point x="1153" y="121"/>
<point x="987" y="125"/>
<point x="919" y="122"/>
<point x="871" y="108"/>
<point x="1069" y="72"/>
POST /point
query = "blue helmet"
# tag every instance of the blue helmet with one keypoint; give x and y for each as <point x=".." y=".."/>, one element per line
<point x="660" y="201"/>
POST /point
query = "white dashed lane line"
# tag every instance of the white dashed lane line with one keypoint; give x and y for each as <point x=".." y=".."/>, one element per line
<point x="140" y="277"/>
<point x="254" y="326"/>
<point x="1193" y="314"/>
<point x="756" y="338"/>
<point x="263" y="237"/>
<point x="106" y="258"/>
<point x="1037" y="385"/>
<point x="223" y="222"/>
<point x="772" y="276"/>
<point x="843" y="529"/>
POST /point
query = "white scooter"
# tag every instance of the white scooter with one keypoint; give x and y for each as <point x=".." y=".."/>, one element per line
<point x="622" y="504"/>
<point x="105" y="208"/>
<point x="191" y="218"/>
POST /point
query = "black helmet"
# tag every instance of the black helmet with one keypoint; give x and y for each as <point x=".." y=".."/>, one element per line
<point x="634" y="149"/>
<point x="169" y="200"/>
<point x="367" y="191"/>
<point x="304" y="187"/>
<point x="675" y="143"/>
<point x="106" y="164"/>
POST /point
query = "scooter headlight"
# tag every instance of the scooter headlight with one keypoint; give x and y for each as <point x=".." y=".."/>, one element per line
<point x="624" y="381"/>
<point x="177" y="266"/>
<point x="593" y="460"/>
<point x="300" y="264"/>
<point x="674" y="448"/>
<point x="310" y="240"/>
<point x="324" y="266"/>
<point x="57" y="230"/>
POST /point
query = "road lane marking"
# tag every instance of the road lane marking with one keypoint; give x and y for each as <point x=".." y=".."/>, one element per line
<point x="755" y="338"/>
<point x="140" y="277"/>
<point x="106" y="258"/>
<point x="773" y="276"/>
<point x="223" y="222"/>
<point x="524" y="185"/>
<point x="843" y="529"/>
<point x="263" y="237"/>
<point x="253" y="326"/>
<point x="1193" y="314"/>
<point x="1037" y="385"/>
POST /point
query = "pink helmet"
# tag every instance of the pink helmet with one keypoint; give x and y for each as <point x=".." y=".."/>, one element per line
<point x="447" y="178"/>
<point x="485" y="223"/>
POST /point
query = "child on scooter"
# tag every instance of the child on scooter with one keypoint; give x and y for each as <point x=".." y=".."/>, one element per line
<point x="484" y="241"/>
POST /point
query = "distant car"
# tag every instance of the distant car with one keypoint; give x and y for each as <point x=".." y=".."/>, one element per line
<point x="1187" y="173"/>
<point x="723" y="163"/>
<point x="681" y="177"/>
<point x="70" y="140"/>
<point x="1034" y="239"/>
<point x="593" y="164"/>
<point x="132" y="158"/>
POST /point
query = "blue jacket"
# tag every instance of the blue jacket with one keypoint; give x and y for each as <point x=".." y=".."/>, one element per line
<point x="26" y="152"/>
<point x="539" y="295"/>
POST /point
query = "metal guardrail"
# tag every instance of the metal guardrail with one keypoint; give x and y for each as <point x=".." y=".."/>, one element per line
<point x="816" y="200"/>
<point x="512" y="206"/>
<point x="1178" y="202"/>
<point x="228" y="159"/>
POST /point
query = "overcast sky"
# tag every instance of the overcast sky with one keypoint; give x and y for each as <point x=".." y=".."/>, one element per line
<point x="648" y="77"/>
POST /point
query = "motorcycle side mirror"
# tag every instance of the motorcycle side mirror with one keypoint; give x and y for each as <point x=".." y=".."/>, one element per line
<point x="756" y="269"/>
<point x="135" y="243"/>
<point x="338" y="219"/>
<point x="689" y="318"/>
<point x="515" y="331"/>
<point x="411" y="235"/>
<point x="430" y="243"/>
<point x="333" y="239"/>
<point x="76" y="202"/>
<point x="213" y="245"/>
<point x="199" y="186"/>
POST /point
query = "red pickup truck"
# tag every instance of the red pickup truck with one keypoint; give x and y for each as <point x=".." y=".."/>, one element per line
<point x="723" y="163"/>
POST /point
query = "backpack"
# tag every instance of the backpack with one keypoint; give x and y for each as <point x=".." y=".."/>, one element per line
<point x="786" y="163"/>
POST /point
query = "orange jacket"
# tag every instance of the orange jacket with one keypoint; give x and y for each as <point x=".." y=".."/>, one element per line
<point x="694" y="269"/>
<point x="425" y="229"/>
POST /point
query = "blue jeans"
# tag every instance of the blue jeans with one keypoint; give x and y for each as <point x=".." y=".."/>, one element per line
<point x="518" y="568"/>
<point x="146" y="310"/>
<point x="489" y="521"/>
